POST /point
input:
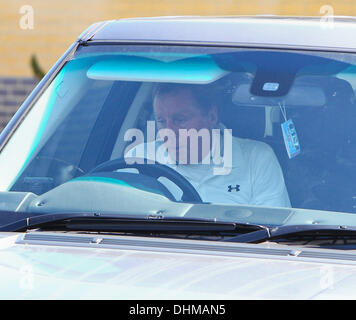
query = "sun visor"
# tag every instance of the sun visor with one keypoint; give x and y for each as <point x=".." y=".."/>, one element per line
<point x="196" y="70"/>
<point x="301" y="93"/>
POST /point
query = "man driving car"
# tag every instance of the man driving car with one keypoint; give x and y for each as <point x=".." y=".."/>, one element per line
<point x="251" y="175"/>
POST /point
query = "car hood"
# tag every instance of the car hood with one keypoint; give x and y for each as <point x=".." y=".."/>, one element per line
<point x="40" y="265"/>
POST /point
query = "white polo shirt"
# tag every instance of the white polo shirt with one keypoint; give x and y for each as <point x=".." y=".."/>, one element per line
<point x="255" y="177"/>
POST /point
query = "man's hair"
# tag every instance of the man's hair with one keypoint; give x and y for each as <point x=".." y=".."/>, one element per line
<point x="203" y="94"/>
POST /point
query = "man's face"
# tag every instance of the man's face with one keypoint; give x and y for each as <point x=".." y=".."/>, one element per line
<point x="180" y="110"/>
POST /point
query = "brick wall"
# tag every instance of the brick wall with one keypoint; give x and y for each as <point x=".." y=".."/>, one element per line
<point x="13" y="91"/>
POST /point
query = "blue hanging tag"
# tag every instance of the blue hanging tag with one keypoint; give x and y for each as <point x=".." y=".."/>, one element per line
<point x="290" y="138"/>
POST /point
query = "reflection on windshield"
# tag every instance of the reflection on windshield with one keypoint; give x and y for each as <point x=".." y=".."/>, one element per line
<point x="248" y="127"/>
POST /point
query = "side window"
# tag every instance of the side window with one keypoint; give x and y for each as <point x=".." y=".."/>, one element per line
<point x="59" y="156"/>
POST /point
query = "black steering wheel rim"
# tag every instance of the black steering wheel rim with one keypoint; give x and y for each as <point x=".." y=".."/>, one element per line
<point x="155" y="170"/>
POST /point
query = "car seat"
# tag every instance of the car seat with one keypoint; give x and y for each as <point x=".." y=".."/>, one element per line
<point x="318" y="178"/>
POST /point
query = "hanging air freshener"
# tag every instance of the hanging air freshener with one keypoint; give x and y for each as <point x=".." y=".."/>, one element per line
<point x="289" y="135"/>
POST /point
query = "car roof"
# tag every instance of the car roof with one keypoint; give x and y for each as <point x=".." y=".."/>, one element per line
<point x="335" y="33"/>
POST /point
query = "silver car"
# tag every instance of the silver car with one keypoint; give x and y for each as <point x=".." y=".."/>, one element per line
<point x="186" y="158"/>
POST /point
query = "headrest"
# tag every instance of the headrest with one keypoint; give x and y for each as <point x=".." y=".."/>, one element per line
<point x="326" y="128"/>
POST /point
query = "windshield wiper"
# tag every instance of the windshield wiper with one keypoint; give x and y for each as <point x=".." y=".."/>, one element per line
<point x="132" y="223"/>
<point x="232" y="231"/>
<point x="288" y="232"/>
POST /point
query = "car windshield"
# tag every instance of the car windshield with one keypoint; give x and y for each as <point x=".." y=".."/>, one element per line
<point x="234" y="126"/>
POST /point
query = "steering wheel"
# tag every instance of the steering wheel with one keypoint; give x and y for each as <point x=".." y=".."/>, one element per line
<point x="154" y="170"/>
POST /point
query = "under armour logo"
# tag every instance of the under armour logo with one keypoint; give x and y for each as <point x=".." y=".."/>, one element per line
<point x="230" y="188"/>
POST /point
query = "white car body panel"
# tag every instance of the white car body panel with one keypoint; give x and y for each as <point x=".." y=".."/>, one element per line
<point x="33" y="271"/>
